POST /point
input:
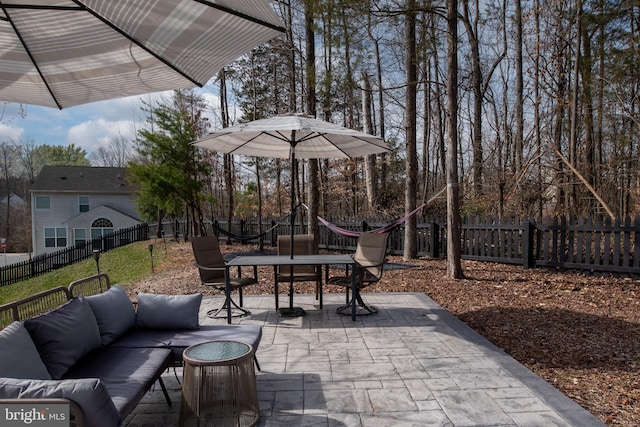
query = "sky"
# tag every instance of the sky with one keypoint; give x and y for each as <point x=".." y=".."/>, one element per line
<point x="87" y="126"/>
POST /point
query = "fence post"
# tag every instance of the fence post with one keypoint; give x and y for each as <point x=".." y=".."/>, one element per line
<point x="435" y="240"/>
<point x="528" y="260"/>
<point x="365" y="226"/>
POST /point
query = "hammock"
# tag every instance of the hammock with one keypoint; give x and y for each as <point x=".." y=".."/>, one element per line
<point x="240" y="237"/>
<point x="244" y="238"/>
<point x="387" y="228"/>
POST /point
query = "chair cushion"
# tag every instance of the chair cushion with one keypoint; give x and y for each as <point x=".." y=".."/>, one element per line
<point x="180" y="340"/>
<point x="114" y="313"/>
<point x="168" y="311"/>
<point x="127" y="373"/>
<point x="19" y="357"/>
<point x="89" y="393"/>
<point x="64" y="335"/>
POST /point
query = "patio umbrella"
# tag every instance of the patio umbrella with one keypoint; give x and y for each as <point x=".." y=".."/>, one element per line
<point x="61" y="53"/>
<point x="293" y="136"/>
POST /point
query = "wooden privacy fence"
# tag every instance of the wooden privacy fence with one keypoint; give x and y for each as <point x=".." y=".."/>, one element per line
<point x="589" y="245"/>
<point x="45" y="263"/>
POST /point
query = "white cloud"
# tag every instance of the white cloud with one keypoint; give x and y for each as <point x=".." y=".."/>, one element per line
<point x="10" y="133"/>
<point x="92" y="134"/>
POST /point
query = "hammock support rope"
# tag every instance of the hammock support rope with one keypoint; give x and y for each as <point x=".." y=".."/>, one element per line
<point x="240" y="237"/>
<point x="387" y="228"/>
<point x="244" y="238"/>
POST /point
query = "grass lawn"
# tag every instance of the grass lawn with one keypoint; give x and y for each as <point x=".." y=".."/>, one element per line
<point x="124" y="265"/>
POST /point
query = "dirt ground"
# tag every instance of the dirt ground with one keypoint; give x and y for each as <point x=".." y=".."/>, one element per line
<point x="580" y="333"/>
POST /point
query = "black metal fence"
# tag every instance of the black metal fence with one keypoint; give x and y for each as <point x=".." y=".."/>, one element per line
<point x="45" y="263"/>
<point x="589" y="245"/>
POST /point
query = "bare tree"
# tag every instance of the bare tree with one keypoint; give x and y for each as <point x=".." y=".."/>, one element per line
<point x="8" y="157"/>
<point x="116" y="153"/>
<point x="31" y="162"/>
<point x="479" y="83"/>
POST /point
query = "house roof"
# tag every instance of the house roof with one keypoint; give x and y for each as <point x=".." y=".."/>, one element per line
<point x="82" y="179"/>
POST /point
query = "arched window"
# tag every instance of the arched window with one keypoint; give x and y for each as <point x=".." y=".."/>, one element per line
<point x="101" y="227"/>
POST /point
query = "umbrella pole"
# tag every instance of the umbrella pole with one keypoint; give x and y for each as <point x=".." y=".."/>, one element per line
<point x="292" y="311"/>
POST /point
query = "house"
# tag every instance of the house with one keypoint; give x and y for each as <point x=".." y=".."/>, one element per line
<point x="71" y="205"/>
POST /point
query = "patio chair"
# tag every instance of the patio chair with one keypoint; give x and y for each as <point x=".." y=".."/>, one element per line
<point x="303" y="244"/>
<point x="211" y="266"/>
<point x="370" y="258"/>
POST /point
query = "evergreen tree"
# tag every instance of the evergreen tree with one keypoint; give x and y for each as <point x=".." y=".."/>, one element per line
<point x="173" y="175"/>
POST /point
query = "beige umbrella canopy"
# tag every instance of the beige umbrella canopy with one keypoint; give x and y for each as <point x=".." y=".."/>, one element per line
<point x="61" y="53"/>
<point x="293" y="136"/>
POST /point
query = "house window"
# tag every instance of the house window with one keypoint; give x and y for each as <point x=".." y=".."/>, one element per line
<point x="43" y="202"/>
<point x="83" y="202"/>
<point x="80" y="237"/>
<point x="55" y="237"/>
<point x="101" y="227"/>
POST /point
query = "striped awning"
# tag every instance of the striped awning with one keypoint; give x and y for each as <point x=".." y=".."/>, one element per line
<point x="61" y="53"/>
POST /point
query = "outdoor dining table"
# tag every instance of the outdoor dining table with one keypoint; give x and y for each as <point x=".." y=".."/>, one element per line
<point x="288" y="260"/>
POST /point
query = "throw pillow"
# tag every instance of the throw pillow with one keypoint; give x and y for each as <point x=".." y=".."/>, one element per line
<point x="168" y="311"/>
<point x="89" y="393"/>
<point x="19" y="357"/>
<point x="114" y="313"/>
<point x="64" y="335"/>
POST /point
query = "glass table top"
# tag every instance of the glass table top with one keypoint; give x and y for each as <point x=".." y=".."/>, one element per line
<point x="213" y="351"/>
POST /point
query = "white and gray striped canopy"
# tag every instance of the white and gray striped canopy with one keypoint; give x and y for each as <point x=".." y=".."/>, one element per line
<point x="61" y="53"/>
<point x="306" y="137"/>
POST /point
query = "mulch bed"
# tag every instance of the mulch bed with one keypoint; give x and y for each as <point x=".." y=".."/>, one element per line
<point x="580" y="333"/>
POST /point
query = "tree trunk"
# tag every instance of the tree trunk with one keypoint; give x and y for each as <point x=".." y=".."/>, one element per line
<point x="411" y="161"/>
<point x="536" y="112"/>
<point x="476" y="84"/>
<point x="313" y="195"/>
<point x="519" y="110"/>
<point x="292" y="60"/>
<point x="370" y="160"/>
<point x="587" y="84"/>
<point x="454" y="247"/>
<point x="381" y="118"/>
<point x="573" y="137"/>
<point x="228" y="158"/>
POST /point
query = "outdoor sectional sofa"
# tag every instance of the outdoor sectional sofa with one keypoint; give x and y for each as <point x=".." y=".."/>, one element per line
<point x="89" y="347"/>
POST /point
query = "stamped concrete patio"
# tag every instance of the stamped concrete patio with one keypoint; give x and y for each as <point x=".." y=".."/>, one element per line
<point x="412" y="364"/>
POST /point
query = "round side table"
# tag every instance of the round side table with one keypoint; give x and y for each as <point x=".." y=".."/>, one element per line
<point x="219" y="385"/>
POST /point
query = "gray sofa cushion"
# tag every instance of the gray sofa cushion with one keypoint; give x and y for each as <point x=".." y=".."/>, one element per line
<point x="19" y="357"/>
<point x="127" y="373"/>
<point x="64" y="335"/>
<point x="114" y="313"/>
<point x="168" y="311"/>
<point x="89" y="393"/>
<point x="179" y="340"/>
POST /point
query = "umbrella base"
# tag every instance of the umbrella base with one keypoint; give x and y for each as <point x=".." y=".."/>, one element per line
<point x="292" y="312"/>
